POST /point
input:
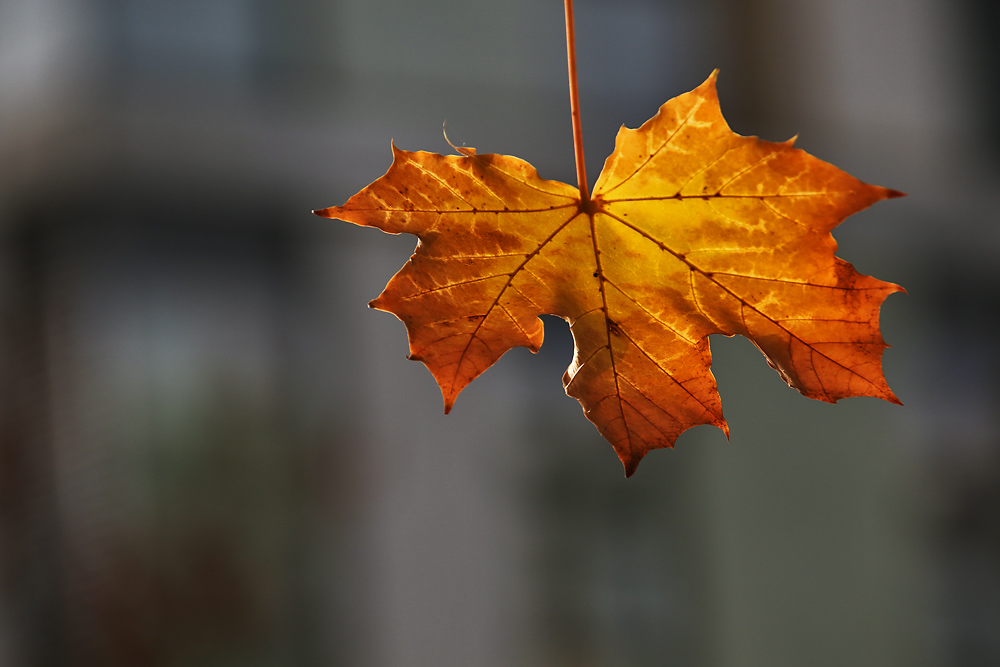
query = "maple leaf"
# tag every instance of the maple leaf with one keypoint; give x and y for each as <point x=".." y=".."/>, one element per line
<point x="692" y="230"/>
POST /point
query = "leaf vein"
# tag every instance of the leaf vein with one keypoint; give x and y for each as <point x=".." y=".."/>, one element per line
<point x="650" y="313"/>
<point x="667" y="141"/>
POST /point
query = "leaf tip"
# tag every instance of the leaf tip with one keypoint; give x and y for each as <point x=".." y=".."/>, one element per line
<point x="893" y="288"/>
<point x="324" y="212"/>
<point x="709" y="89"/>
<point x="630" y="463"/>
<point x="712" y="82"/>
<point x="379" y="304"/>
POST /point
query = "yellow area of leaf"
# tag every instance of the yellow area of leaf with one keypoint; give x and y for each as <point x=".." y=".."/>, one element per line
<point x="692" y="230"/>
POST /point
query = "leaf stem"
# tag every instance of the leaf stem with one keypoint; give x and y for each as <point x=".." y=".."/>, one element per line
<point x="574" y="105"/>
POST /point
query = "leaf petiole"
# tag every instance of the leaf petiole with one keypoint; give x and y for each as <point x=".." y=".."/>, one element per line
<point x="574" y="105"/>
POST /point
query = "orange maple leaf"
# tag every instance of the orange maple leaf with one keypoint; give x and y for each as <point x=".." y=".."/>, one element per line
<point x="692" y="230"/>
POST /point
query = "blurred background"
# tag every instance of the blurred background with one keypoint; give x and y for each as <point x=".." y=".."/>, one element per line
<point x="212" y="453"/>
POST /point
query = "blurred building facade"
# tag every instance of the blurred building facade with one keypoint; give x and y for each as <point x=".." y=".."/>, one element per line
<point x="213" y="454"/>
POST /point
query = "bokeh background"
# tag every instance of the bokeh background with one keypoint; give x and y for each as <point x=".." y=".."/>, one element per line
<point x="212" y="453"/>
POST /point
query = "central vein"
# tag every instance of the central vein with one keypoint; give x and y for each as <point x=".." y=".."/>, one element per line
<point x="608" y="322"/>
